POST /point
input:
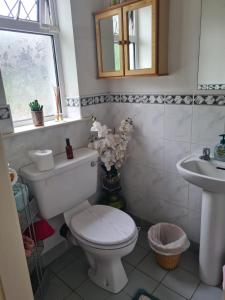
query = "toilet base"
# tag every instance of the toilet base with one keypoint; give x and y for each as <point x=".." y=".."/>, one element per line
<point x="110" y="276"/>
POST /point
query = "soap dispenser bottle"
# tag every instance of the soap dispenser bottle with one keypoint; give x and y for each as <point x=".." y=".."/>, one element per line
<point x="219" y="152"/>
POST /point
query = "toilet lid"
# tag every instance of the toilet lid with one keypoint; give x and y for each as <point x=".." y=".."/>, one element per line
<point x="103" y="225"/>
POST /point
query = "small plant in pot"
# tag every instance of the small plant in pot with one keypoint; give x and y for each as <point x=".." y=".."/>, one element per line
<point x="37" y="113"/>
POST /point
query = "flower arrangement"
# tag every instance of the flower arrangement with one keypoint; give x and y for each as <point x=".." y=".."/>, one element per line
<point x="111" y="145"/>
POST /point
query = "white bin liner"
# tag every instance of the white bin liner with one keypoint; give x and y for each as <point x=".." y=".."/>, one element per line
<point x="168" y="239"/>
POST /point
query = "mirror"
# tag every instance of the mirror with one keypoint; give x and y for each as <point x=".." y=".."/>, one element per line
<point x="110" y="44"/>
<point x="140" y="38"/>
<point x="212" y="46"/>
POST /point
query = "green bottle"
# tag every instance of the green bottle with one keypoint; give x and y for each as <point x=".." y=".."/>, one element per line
<point x="219" y="152"/>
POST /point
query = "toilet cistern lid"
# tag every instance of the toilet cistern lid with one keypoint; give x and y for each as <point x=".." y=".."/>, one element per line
<point x="103" y="225"/>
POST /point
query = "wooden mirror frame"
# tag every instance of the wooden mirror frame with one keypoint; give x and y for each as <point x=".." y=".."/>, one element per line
<point x="135" y="6"/>
<point x="98" y="18"/>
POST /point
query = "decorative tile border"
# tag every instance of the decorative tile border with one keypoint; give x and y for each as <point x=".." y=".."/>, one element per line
<point x="211" y="86"/>
<point x="146" y="99"/>
<point x="73" y="102"/>
<point x="115" y="98"/>
<point x="98" y="99"/>
<point x="209" y="100"/>
<point x="179" y="99"/>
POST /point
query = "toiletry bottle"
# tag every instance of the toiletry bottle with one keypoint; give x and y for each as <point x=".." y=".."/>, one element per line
<point x="219" y="152"/>
<point x="69" y="149"/>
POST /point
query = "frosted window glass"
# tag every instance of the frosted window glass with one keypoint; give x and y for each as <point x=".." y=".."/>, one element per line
<point x="28" y="69"/>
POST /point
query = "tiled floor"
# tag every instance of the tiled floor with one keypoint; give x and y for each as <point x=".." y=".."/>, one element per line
<point x="69" y="278"/>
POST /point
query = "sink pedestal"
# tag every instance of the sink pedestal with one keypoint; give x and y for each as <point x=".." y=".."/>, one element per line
<point x="212" y="242"/>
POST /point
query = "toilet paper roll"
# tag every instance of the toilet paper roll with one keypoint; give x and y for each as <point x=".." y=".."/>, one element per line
<point x="43" y="159"/>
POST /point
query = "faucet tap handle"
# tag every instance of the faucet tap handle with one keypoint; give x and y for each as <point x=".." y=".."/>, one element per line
<point x="206" y="152"/>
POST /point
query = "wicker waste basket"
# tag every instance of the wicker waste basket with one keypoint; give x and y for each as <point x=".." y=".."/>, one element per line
<point x="168" y="241"/>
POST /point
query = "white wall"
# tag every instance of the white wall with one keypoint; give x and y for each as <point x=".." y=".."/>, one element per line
<point x="67" y="46"/>
<point x="84" y="32"/>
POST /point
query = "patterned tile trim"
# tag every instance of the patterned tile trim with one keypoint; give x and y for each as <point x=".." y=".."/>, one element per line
<point x="211" y="86"/>
<point x="209" y="99"/>
<point x="73" y="102"/>
<point x="98" y="99"/>
<point x="179" y="99"/>
<point x="147" y="99"/>
<point x="114" y="98"/>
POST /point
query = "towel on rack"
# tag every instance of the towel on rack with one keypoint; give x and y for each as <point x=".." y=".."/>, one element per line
<point x="40" y="230"/>
<point x="21" y="195"/>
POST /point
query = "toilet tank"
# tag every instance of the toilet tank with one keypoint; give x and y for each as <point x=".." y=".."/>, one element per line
<point x="67" y="185"/>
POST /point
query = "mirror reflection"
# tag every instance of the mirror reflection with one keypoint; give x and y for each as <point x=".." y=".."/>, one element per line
<point x="212" y="46"/>
<point x="109" y="30"/>
<point x="140" y="38"/>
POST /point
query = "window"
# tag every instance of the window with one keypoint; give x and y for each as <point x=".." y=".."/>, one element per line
<point x="19" y="9"/>
<point x="29" y="56"/>
<point x="28" y="71"/>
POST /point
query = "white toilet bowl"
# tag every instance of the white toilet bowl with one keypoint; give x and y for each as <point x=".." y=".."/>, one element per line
<point x="106" y="235"/>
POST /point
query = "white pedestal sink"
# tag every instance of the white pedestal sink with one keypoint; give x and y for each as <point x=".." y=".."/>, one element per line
<point x="210" y="176"/>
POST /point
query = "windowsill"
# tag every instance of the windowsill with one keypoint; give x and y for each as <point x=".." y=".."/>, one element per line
<point x="48" y="124"/>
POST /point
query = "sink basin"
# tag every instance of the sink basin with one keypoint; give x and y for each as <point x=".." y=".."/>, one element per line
<point x="210" y="176"/>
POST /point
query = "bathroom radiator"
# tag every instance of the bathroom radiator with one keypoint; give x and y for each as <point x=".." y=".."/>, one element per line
<point x="28" y="214"/>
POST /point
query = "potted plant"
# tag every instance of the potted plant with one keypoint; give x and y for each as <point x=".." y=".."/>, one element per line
<point x="37" y="113"/>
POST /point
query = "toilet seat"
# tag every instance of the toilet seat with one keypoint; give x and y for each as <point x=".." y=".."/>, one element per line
<point x="104" y="247"/>
<point x="104" y="227"/>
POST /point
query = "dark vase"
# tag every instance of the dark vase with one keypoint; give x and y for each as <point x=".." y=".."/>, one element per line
<point x="111" y="192"/>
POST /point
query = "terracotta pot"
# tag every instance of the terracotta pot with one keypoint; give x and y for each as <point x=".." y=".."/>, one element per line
<point x="38" y="118"/>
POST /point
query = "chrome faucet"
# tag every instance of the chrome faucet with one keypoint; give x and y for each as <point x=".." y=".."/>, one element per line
<point x="206" y="154"/>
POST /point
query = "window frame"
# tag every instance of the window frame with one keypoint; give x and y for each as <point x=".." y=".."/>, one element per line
<point x="39" y="27"/>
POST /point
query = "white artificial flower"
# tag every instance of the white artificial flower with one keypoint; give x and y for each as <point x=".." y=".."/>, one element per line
<point x="112" y="147"/>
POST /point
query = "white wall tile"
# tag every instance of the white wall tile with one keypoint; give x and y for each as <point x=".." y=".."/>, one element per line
<point x="208" y="123"/>
<point x="147" y="151"/>
<point x="173" y="152"/>
<point x="153" y="189"/>
<point x="150" y="120"/>
<point x="175" y="189"/>
<point x="178" y="120"/>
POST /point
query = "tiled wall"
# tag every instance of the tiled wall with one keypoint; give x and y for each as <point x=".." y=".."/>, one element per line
<point x="167" y="128"/>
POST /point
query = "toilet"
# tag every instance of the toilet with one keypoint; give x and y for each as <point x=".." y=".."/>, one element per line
<point x="106" y="234"/>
